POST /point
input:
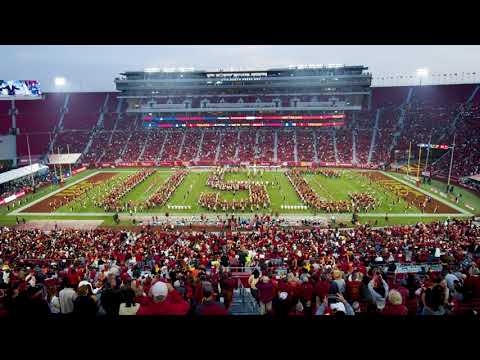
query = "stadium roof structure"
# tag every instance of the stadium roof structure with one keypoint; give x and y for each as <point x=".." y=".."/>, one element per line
<point x="21" y="172"/>
<point x="63" y="159"/>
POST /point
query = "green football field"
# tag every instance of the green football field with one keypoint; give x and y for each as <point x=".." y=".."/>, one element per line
<point x="281" y="193"/>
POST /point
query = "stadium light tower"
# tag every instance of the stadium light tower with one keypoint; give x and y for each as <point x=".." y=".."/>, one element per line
<point x="422" y="73"/>
<point x="60" y="82"/>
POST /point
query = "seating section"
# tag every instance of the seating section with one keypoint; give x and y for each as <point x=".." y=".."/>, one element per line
<point x="72" y="141"/>
<point x="113" y="151"/>
<point x="172" y="145"/>
<point x="228" y="147"/>
<point x="135" y="145"/>
<point x="5" y="118"/>
<point x="154" y="144"/>
<point x="211" y="139"/>
<point x="286" y="145"/>
<point x="344" y="145"/>
<point x="246" y="149"/>
<point x="265" y="147"/>
<point x="305" y="148"/>
<point x="325" y="149"/>
<point x="436" y="111"/>
<point x="97" y="148"/>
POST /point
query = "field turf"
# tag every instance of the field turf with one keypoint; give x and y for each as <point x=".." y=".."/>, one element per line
<point x="281" y="193"/>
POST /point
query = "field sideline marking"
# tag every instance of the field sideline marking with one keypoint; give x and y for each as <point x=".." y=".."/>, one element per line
<point x="16" y="212"/>
<point x="429" y="194"/>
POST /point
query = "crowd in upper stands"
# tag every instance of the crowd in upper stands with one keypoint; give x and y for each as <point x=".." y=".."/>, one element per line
<point x="298" y="272"/>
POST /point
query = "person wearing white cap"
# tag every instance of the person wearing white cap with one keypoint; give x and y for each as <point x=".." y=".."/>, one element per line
<point x="166" y="301"/>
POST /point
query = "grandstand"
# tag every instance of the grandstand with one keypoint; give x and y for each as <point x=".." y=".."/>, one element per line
<point x="230" y="173"/>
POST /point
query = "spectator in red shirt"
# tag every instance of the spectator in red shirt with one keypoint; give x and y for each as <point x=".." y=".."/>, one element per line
<point x="228" y="285"/>
<point x="209" y="306"/>
<point x="354" y="286"/>
<point x="394" y="305"/>
<point x="265" y="294"/>
<point x="164" y="302"/>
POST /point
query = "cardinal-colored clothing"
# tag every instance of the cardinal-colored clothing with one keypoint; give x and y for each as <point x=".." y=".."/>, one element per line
<point x="395" y="310"/>
<point x="172" y="305"/>
<point x="211" y="308"/>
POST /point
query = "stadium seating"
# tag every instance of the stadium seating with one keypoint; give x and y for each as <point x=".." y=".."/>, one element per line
<point x="228" y="146"/>
<point x="440" y="111"/>
<point x="305" y="145"/>
<point x="246" y="150"/>
<point x="325" y="149"/>
<point x="286" y="145"/>
<point x="172" y="145"/>
<point x="208" y="151"/>
<point x="154" y="144"/>
<point x="138" y="259"/>
<point x="265" y="147"/>
<point x="113" y="151"/>
<point x="97" y="147"/>
<point x="72" y="141"/>
<point x="344" y="145"/>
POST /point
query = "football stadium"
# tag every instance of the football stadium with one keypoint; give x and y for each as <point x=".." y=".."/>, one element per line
<point x="299" y="190"/>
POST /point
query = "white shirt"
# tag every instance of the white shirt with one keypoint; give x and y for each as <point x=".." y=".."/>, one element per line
<point x="66" y="297"/>
<point x="450" y="278"/>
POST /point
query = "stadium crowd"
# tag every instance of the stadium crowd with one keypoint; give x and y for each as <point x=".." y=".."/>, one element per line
<point x="296" y="272"/>
<point x="25" y="184"/>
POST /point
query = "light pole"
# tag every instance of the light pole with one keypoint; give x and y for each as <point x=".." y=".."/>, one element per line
<point x="422" y="73"/>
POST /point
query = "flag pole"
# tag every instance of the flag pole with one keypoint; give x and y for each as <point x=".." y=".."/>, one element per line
<point x="60" y="165"/>
<point x="54" y="164"/>
<point x="419" y="162"/>
<point x="451" y="161"/>
<point x="69" y="164"/>
<point x="30" y="161"/>
<point x="428" y="151"/>
<point x="409" y="154"/>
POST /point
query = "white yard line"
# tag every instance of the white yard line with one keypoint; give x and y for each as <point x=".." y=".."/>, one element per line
<point x="429" y="194"/>
<point x="16" y="212"/>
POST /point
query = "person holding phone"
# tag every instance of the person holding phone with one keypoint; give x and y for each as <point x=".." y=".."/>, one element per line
<point x="378" y="289"/>
<point x="335" y="305"/>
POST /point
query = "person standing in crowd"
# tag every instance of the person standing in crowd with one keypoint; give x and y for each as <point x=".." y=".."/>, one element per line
<point x="265" y="295"/>
<point x="84" y="304"/>
<point x="378" y="290"/>
<point x="67" y="297"/>
<point x="252" y="282"/>
<point x="128" y="306"/>
<point x="209" y="306"/>
<point x="165" y="301"/>
<point x="395" y="305"/>
<point x="228" y="285"/>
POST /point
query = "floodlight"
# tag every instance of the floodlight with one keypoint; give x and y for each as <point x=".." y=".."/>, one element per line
<point x="60" y="81"/>
<point x="422" y="72"/>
